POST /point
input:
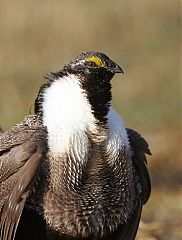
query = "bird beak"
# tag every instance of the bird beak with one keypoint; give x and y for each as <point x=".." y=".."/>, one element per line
<point x="115" y="69"/>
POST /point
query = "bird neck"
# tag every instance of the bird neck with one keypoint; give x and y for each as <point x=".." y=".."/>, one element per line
<point x="98" y="92"/>
<point x="66" y="113"/>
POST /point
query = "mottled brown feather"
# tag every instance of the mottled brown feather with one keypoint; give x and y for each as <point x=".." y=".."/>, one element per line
<point x="127" y="229"/>
<point x="140" y="147"/>
<point x="21" y="150"/>
<point x="24" y="155"/>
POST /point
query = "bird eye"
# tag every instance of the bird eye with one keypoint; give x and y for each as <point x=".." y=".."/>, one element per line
<point x="91" y="64"/>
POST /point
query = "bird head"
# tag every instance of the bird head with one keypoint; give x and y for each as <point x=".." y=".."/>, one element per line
<point x="92" y="72"/>
<point x="93" y="63"/>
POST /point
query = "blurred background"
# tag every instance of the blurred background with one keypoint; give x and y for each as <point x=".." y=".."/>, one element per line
<point x="37" y="37"/>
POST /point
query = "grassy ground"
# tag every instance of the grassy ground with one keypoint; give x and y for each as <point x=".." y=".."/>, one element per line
<point x="143" y="36"/>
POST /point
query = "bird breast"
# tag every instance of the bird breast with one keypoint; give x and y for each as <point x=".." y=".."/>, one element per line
<point x="91" y="188"/>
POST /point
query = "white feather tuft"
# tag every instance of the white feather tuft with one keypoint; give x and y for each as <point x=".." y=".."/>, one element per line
<point x="68" y="115"/>
<point x="66" y="112"/>
<point x="117" y="138"/>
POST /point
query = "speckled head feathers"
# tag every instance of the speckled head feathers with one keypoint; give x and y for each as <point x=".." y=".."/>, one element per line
<point x="93" y="61"/>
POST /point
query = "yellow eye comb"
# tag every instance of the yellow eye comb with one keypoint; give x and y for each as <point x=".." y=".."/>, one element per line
<point x="96" y="60"/>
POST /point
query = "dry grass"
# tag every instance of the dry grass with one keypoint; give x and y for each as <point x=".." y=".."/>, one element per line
<point x="40" y="36"/>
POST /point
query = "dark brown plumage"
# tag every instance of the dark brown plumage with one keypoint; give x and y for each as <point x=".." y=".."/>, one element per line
<point x="21" y="150"/>
<point x="92" y="187"/>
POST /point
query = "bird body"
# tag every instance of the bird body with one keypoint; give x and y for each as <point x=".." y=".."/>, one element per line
<point x="90" y="177"/>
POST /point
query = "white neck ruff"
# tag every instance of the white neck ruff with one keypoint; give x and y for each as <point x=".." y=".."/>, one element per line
<point x="67" y="114"/>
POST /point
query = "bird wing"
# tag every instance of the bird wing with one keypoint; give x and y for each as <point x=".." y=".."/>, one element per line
<point x="21" y="150"/>
<point x="139" y="147"/>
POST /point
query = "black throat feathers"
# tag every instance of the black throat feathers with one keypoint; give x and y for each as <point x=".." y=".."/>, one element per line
<point x="97" y="87"/>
